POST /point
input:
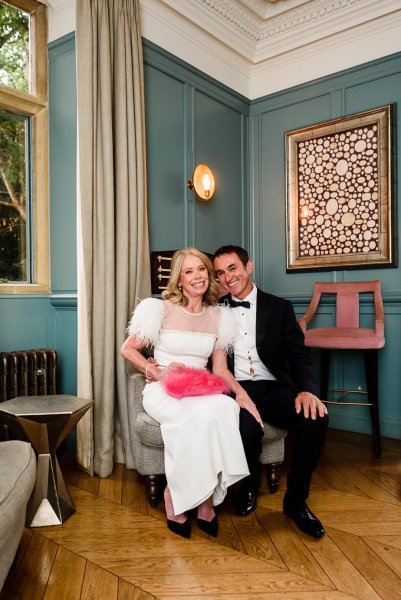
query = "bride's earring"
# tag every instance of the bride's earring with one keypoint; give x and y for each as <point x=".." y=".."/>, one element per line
<point x="179" y="286"/>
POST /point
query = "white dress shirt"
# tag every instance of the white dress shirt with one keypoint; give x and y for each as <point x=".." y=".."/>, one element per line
<point x="247" y="363"/>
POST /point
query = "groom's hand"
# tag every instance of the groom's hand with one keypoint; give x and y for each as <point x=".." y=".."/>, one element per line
<point x="310" y="405"/>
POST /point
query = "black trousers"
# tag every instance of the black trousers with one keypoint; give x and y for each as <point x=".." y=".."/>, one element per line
<point x="275" y="403"/>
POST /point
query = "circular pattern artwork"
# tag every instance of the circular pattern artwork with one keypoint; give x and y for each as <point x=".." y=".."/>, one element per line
<point x="338" y="193"/>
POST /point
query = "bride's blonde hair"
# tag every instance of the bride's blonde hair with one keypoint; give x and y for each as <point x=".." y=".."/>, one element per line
<point x="174" y="293"/>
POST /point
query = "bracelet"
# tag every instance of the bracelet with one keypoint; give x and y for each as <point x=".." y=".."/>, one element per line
<point x="146" y="371"/>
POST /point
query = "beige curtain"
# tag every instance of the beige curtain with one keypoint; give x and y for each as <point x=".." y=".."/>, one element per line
<point x="113" y="249"/>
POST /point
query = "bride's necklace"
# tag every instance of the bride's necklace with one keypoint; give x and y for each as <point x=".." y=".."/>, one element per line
<point x="193" y="314"/>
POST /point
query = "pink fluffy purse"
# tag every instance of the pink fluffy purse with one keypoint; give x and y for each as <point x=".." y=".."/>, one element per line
<point x="188" y="381"/>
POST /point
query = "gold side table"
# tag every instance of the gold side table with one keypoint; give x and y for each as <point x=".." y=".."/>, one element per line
<point x="46" y="421"/>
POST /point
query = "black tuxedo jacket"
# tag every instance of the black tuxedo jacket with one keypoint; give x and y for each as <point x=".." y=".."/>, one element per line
<point x="280" y="343"/>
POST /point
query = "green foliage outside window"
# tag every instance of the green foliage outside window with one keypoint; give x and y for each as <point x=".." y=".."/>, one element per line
<point x="14" y="48"/>
<point x="13" y="216"/>
<point x="14" y="39"/>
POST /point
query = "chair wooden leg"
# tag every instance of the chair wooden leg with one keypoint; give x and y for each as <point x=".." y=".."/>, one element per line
<point x="324" y="373"/>
<point x="155" y="485"/>
<point x="273" y="476"/>
<point x="371" y="373"/>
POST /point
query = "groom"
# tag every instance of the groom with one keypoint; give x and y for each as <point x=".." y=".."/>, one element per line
<point x="275" y="368"/>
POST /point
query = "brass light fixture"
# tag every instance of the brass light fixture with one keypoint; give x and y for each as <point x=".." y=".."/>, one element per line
<point x="202" y="182"/>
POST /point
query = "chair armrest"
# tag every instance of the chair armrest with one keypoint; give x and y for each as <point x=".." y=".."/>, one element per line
<point x="379" y="311"/>
<point x="304" y="320"/>
<point x="136" y="376"/>
<point x="379" y="327"/>
<point x="136" y="384"/>
<point x="302" y="323"/>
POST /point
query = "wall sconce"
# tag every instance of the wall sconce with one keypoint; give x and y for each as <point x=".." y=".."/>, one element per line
<point x="202" y="182"/>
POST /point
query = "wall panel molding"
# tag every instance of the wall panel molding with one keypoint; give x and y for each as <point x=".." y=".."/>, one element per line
<point x="175" y="67"/>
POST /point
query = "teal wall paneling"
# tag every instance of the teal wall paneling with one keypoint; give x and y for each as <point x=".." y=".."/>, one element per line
<point x="63" y="208"/>
<point x="66" y="340"/>
<point x="63" y="157"/>
<point x="218" y="143"/>
<point x="26" y="322"/>
<point x="168" y="63"/>
<point x="355" y="90"/>
<point x="165" y="102"/>
<point x="190" y="118"/>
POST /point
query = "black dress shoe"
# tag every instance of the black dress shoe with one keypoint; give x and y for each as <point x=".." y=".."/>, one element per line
<point x="209" y="527"/>
<point x="246" y="501"/>
<point x="305" y="519"/>
<point x="182" y="529"/>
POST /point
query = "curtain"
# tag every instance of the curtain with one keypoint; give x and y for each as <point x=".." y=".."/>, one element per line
<point x="113" y="247"/>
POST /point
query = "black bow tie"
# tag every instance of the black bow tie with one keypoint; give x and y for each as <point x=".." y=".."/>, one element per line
<point x="235" y="304"/>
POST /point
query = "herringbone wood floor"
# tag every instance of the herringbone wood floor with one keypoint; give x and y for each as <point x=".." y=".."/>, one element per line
<point x="117" y="547"/>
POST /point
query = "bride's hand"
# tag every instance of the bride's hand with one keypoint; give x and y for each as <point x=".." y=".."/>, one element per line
<point x="244" y="401"/>
<point x="154" y="372"/>
<point x="173" y="366"/>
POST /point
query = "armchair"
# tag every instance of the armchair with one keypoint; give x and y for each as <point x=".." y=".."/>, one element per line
<point x="148" y="450"/>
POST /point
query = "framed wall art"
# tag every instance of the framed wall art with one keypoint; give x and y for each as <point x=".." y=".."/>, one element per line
<point x="340" y="208"/>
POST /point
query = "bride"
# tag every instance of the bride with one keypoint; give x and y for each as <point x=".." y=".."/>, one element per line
<point x="202" y="445"/>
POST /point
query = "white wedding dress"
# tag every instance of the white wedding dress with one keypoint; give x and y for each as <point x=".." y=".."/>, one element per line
<point x="202" y="444"/>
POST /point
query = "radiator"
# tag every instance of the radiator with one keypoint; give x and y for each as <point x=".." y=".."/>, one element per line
<point x="27" y="373"/>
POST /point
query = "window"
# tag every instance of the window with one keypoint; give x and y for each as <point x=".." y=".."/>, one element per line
<point x="24" y="220"/>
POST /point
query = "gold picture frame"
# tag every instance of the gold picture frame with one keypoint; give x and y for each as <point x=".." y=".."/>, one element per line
<point x="340" y="207"/>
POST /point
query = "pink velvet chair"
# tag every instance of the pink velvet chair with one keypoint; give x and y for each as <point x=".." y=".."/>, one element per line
<point x="348" y="335"/>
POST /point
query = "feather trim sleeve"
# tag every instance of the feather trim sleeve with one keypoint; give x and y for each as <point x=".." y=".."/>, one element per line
<point x="146" y="321"/>
<point x="227" y="330"/>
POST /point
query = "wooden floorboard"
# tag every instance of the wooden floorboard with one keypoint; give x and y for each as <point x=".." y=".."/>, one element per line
<point x="117" y="547"/>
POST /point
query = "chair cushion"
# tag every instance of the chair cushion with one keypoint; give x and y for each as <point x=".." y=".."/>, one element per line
<point x="148" y="430"/>
<point x="343" y="338"/>
<point x="272" y="434"/>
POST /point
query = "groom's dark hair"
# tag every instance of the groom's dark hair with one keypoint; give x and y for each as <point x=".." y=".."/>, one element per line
<point x="231" y="249"/>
